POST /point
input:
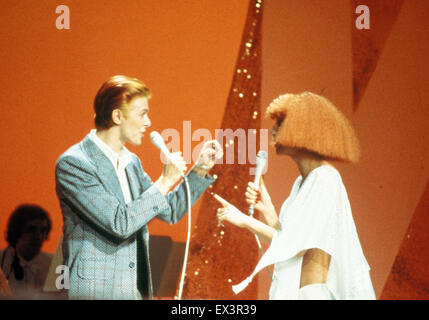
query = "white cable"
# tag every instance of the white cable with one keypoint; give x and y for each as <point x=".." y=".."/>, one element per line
<point x="188" y="237"/>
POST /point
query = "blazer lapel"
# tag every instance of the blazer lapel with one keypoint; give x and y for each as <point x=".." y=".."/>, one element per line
<point x="105" y="169"/>
<point x="132" y="181"/>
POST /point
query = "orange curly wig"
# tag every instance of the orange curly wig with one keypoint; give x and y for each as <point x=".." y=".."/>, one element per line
<point x="311" y="122"/>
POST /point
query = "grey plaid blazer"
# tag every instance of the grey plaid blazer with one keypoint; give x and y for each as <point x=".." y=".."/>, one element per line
<point x="100" y="230"/>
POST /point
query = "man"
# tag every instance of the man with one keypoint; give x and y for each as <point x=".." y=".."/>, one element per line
<point x="24" y="266"/>
<point x="107" y="199"/>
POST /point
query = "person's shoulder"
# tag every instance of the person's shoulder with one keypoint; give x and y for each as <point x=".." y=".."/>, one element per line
<point x="74" y="154"/>
<point x="74" y="150"/>
<point x="327" y="172"/>
<point x="325" y="177"/>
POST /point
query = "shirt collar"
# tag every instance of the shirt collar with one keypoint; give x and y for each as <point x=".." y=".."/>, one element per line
<point x="124" y="156"/>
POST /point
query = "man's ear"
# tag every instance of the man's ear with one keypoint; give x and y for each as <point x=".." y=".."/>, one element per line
<point x="117" y="116"/>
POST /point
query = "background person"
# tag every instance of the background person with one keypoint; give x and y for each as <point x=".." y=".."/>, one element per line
<point x="24" y="265"/>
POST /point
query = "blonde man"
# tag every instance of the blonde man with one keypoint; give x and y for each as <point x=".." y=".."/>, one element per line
<point x="107" y="199"/>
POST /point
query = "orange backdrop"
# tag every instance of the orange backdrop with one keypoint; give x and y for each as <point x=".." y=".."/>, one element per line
<point x="185" y="51"/>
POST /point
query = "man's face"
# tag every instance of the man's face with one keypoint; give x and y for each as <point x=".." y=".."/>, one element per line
<point x="136" y="121"/>
<point x="33" y="234"/>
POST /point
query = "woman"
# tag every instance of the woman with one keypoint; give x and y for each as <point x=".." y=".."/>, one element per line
<point x="314" y="244"/>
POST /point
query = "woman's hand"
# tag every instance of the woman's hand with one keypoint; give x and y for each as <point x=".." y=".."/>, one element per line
<point x="259" y="197"/>
<point x="230" y="213"/>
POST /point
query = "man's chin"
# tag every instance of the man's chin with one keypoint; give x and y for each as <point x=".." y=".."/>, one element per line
<point x="137" y="142"/>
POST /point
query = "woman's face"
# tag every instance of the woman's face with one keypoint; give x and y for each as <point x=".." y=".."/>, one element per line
<point x="275" y="129"/>
<point x="281" y="150"/>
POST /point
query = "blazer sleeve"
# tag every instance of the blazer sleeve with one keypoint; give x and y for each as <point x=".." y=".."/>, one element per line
<point x="177" y="199"/>
<point x="79" y="186"/>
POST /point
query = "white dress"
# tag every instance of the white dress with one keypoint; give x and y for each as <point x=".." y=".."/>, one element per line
<point x="317" y="215"/>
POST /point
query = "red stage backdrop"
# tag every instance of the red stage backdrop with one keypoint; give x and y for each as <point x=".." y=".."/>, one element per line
<point x="187" y="53"/>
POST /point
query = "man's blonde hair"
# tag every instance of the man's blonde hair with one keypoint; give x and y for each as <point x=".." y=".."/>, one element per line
<point x="116" y="93"/>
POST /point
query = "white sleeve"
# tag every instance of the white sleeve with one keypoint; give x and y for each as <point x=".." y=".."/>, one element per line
<point x="316" y="291"/>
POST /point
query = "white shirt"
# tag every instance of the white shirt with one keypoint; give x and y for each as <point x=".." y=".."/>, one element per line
<point x="119" y="162"/>
<point x="317" y="215"/>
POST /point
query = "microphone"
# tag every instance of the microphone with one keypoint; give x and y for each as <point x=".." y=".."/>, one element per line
<point x="158" y="141"/>
<point x="261" y="160"/>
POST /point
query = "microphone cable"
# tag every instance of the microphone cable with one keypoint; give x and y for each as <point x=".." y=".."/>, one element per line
<point x="188" y="238"/>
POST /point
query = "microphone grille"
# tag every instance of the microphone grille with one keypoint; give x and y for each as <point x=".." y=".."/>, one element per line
<point x="155" y="136"/>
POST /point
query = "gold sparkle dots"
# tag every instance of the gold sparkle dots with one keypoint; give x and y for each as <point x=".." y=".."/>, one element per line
<point x="235" y="187"/>
<point x="222" y="232"/>
<point x="255" y="114"/>
<point x="248" y="76"/>
<point x="229" y="280"/>
<point x="244" y="70"/>
<point x="248" y="44"/>
<point x="258" y="5"/>
<point x="238" y="70"/>
<point x="241" y="95"/>
<point x="196" y="273"/>
<point x="206" y="261"/>
<point x="234" y="90"/>
<point x="254" y="94"/>
<point x="231" y="141"/>
<point x="215" y="176"/>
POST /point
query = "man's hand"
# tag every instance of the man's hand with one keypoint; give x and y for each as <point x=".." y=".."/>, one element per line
<point x="173" y="170"/>
<point x="210" y="152"/>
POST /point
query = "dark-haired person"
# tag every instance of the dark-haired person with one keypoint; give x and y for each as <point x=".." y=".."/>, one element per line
<point x="24" y="265"/>
<point x="107" y="199"/>
<point x="314" y="245"/>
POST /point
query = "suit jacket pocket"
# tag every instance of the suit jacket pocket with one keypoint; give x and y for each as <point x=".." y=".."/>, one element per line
<point x="101" y="268"/>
